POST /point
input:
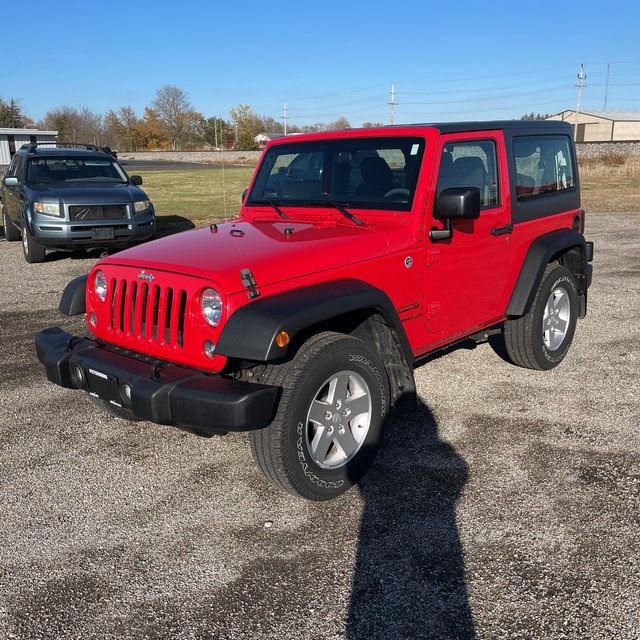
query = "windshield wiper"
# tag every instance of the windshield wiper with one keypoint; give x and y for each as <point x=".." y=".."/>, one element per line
<point x="340" y="206"/>
<point x="273" y="204"/>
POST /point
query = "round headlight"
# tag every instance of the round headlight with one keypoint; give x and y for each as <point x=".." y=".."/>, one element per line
<point x="211" y="306"/>
<point x="100" y="285"/>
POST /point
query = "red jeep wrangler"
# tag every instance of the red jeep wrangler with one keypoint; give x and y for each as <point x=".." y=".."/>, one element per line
<point x="354" y="254"/>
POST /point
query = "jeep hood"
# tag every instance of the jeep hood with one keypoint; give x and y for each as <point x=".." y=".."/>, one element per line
<point x="274" y="251"/>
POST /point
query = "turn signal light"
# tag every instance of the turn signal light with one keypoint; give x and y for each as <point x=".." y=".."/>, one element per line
<point x="283" y="339"/>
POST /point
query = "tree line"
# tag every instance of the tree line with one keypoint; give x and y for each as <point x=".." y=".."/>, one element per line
<point x="169" y="122"/>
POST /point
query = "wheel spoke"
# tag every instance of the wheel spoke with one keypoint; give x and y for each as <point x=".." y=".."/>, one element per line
<point x="320" y="444"/>
<point x="318" y="411"/>
<point x="557" y="300"/>
<point x="358" y="404"/>
<point x="561" y="325"/>
<point x="346" y="443"/>
<point x="338" y="390"/>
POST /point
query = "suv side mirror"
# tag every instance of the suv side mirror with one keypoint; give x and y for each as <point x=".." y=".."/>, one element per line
<point x="136" y="180"/>
<point x="456" y="203"/>
<point x="10" y="181"/>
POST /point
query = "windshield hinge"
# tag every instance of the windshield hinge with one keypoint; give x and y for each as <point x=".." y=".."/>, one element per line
<point x="249" y="283"/>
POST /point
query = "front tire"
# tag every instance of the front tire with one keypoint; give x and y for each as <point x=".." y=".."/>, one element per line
<point x="541" y="338"/>
<point x="33" y="250"/>
<point x="330" y="419"/>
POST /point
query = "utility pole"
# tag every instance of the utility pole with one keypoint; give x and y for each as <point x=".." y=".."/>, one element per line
<point x="581" y="78"/>
<point x="284" y="117"/>
<point x="393" y="102"/>
<point x="606" y="87"/>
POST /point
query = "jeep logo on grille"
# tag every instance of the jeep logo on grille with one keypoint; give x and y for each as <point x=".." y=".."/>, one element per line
<point x="143" y="275"/>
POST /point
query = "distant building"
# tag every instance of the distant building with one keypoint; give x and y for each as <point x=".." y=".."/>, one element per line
<point x="263" y="138"/>
<point x="602" y="126"/>
<point x="13" y="139"/>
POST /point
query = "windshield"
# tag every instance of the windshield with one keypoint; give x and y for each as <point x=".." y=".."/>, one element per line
<point x="361" y="173"/>
<point x="60" y="169"/>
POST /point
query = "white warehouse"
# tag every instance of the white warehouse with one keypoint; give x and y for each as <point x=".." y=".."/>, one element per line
<point x="603" y="126"/>
<point x="13" y="139"/>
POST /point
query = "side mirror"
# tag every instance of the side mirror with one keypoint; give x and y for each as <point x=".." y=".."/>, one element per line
<point x="456" y="203"/>
<point x="244" y="195"/>
<point x="10" y="181"/>
<point x="136" y="180"/>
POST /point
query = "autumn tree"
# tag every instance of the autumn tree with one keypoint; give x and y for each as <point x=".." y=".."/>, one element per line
<point x="340" y="123"/>
<point x="247" y="125"/>
<point x="153" y="131"/>
<point x="74" y="125"/>
<point x="123" y="129"/>
<point x="217" y="133"/>
<point x="271" y="125"/>
<point x="176" y="112"/>
<point x="370" y="125"/>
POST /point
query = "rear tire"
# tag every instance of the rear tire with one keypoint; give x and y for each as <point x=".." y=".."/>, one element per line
<point x="33" y="250"/>
<point x="541" y="338"/>
<point x="330" y="418"/>
<point x="11" y="234"/>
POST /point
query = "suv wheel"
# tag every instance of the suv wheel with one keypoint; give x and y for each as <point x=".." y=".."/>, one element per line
<point x="330" y="418"/>
<point x="33" y="250"/>
<point x="541" y="338"/>
<point x="10" y="232"/>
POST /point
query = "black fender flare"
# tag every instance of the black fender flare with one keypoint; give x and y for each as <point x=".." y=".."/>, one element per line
<point x="73" y="301"/>
<point x="540" y="253"/>
<point x="250" y="333"/>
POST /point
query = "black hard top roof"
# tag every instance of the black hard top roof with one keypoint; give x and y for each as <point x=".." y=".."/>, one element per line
<point x="489" y="125"/>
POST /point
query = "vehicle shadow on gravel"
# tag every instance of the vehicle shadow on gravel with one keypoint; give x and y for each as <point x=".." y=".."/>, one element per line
<point x="168" y="224"/>
<point x="409" y="579"/>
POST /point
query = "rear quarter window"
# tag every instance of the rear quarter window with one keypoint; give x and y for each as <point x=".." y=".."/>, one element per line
<point x="544" y="166"/>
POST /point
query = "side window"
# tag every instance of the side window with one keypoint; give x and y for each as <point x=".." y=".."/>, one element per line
<point x="544" y="166"/>
<point x="13" y="166"/>
<point x="19" y="167"/>
<point x="471" y="164"/>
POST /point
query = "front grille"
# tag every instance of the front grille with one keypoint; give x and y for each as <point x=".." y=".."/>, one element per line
<point x="98" y="212"/>
<point x="146" y="310"/>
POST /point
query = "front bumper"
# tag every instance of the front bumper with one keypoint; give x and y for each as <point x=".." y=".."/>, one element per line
<point x="155" y="391"/>
<point x="65" y="234"/>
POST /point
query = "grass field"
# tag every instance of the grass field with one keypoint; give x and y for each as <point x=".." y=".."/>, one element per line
<point x="610" y="185"/>
<point x="199" y="197"/>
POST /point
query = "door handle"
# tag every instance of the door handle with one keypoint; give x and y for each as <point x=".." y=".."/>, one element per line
<point x="501" y="231"/>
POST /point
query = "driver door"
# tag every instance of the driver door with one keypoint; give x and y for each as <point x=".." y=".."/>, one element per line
<point x="465" y="276"/>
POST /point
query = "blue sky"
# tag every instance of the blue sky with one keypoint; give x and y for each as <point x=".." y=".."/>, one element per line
<point x="448" y="60"/>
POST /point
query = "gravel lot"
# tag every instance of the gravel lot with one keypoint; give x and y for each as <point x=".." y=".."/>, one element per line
<point x="507" y="507"/>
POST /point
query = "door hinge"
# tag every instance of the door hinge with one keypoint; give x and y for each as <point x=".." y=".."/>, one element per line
<point x="432" y="309"/>
<point x="432" y="256"/>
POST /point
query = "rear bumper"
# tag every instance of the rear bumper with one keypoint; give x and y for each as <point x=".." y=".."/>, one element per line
<point x="155" y="391"/>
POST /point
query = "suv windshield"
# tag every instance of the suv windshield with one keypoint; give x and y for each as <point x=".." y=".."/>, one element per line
<point x="60" y="169"/>
<point x="362" y="173"/>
